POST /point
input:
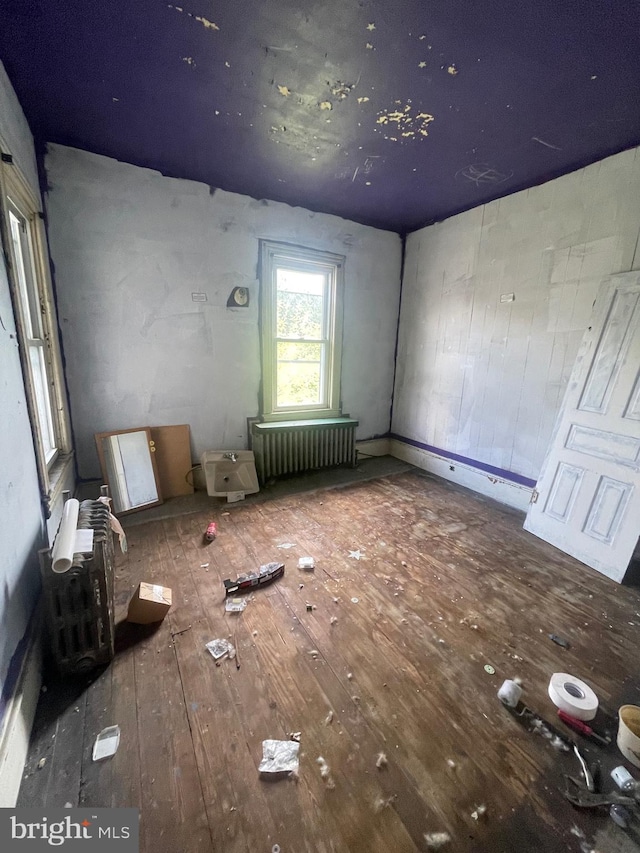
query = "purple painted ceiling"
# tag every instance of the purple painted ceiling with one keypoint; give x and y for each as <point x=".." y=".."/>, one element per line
<point x="394" y="114"/>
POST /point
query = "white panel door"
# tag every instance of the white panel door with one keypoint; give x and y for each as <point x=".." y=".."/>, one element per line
<point x="587" y="500"/>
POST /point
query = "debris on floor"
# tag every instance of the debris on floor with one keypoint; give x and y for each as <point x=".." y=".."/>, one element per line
<point x="211" y="532"/>
<point x="286" y="545"/>
<point x="279" y="756"/>
<point x="333" y="620"/>
<point x="325" y="772"/>
<point x="308" y="564"/>
<point x="381" y="760"/>
<point x="489" y="669"/>
<point x="382" y="803"/>
<point x="356" y="555"/>
<point x="41" y="763"/>
<point x="350" y="676"/>
<point x="478" y="812"/>
<point x="220" y="649"/>
<point x="264" y="575"/>
<point x="328" y="719"/>
<point x="355" y="600"/>
<point x="295" y="736"/>
<point x="106" y="743"/>
<point x="560" y="641"/>
<point x="204" y="565"/>
<point x="235" y="605"/>
<point x="510" y="693"/>
<point x="436" y="840"/>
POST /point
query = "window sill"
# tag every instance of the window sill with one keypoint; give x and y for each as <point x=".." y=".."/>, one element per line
<point x="307" y="422"/>
<point x="308" y="415"/>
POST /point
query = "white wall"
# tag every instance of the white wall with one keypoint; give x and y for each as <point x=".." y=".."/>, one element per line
<point x="21" y="519"/>
<point x="485" y="379"/>
<point x="130" y="246"/>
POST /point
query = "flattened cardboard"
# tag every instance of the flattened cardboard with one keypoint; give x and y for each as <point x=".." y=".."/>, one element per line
<point x="150" y="603"/>
<point x="173" y="459"/>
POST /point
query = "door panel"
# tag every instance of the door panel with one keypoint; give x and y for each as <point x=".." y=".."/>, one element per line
<point x="587" y="500"/>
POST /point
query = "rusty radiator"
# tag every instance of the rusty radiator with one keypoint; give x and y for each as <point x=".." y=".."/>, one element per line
<point x="291" y="447"/>
<point x="79" y="604"/>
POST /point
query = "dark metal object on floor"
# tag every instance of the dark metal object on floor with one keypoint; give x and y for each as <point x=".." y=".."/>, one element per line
<point x="79" y="603"/>
<point x="577" y="795"/>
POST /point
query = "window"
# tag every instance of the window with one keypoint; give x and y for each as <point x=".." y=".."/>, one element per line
<point x="23" y="235"/>
<point x="301" y="331"/>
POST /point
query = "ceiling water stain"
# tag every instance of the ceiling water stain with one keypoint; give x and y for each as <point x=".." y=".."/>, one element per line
<point x="341" y="90"/>
<point x="407" y="124"/>
<point x="209" y="25"/>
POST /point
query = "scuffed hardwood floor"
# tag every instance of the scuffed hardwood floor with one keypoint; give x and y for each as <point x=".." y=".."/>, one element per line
<point x="447" y="583"/>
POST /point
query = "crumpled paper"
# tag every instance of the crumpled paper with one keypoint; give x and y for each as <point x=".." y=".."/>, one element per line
<point x="220" y="649"/>
<point x="279" y="756"/>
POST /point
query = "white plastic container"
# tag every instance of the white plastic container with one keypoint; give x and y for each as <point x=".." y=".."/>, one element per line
<point x="629" y="733"/>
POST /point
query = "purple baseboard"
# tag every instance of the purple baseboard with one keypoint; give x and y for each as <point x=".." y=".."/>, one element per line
<point x="473" y="463"/>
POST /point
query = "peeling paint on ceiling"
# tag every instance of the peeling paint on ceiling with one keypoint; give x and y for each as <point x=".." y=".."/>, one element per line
<point x="394" y="114"/>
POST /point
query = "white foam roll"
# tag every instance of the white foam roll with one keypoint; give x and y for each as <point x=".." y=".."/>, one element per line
<point x="510" y="693"/>
<point x="573" y="696"/>
<point x="63" y="547"/>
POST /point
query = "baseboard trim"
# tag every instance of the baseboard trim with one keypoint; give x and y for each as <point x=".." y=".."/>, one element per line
<point x="505" y="491"/>
<point x="18" y="719"/>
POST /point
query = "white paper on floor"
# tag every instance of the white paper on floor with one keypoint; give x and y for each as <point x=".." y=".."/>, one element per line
<point x="279" y="756"/>
<point x="106" y="743"/>
<point x="220" y="649"/>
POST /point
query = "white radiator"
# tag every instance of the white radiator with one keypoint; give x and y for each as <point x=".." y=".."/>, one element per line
<point x="291" y="447"/>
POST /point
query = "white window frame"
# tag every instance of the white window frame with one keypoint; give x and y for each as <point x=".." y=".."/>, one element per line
<point x="37" y="335"/>
<point x="273" y="256"/>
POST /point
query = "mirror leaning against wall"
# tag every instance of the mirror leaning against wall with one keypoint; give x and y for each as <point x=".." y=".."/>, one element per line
<point x="129" y="468"/>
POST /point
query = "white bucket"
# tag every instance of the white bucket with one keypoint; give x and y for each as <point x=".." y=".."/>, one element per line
<point x="629" y="733"/>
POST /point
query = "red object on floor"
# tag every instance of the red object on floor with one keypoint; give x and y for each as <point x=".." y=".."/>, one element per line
<point x="212" y="532"/>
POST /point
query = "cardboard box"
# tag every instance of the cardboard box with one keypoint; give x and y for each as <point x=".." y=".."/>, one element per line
<point x="150" y="603"/>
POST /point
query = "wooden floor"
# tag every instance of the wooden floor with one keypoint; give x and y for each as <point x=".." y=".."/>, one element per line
<point x="447" y="583"/>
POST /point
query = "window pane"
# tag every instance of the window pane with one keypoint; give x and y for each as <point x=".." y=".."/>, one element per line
<point x="299" y="374"/>
<point x="24" y="274"/>
<point x="300" y="304"/>
<point x="43" y="401"/>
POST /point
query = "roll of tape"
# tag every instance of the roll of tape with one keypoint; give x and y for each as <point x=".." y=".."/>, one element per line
<point x="573" y="696"/>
